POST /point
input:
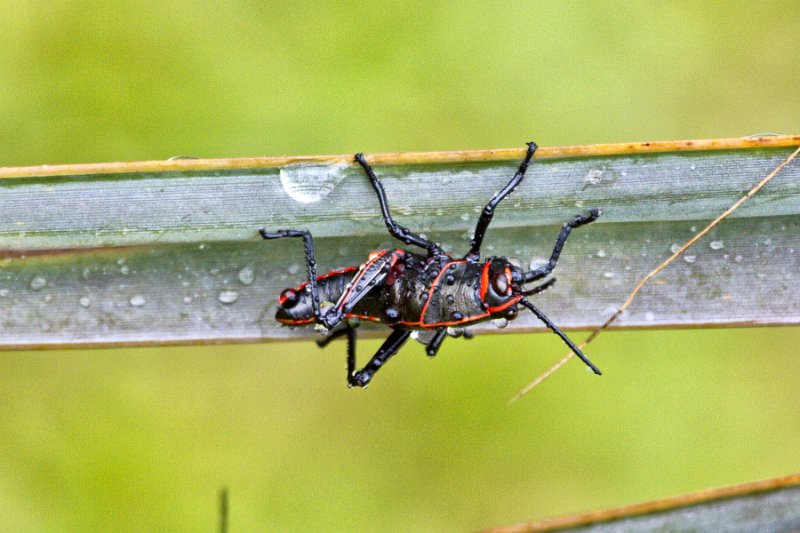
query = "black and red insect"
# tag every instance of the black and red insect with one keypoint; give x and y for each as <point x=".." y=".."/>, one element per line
<point x="410" y="291"/>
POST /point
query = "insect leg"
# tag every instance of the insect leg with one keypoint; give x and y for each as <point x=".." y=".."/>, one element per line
<point x="547" y="322"/>
<point x="436" y="342"/>
<point x="395" y="229"/>
<point x="577" y="222"/>
<point x="333" y="336"/>
<point x="387" y="350"/>
<point x="350" y="331"/>
<point x="310" y="261"/>
<point x="488" y="211"/>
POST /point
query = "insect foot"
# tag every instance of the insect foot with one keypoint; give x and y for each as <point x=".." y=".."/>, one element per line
<point x="360" y="379"/>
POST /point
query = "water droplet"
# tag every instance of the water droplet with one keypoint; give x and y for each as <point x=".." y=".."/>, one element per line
<point x="649" y="316"/>
<point x="137" y="300"/>
<point x="500" y="322"/>
<point x="38" y="283"/>
<point x="228" y="296"/>
<point x="48" y="298"/>
<point x="465" y="216"/>
<point x="246" y="275"/>
<point x="716" y="245"/>
<point x="187" y="299"/>
<point x="85" y="301"/>
<point x="125" y="270"/>
<point x="294" y="269"/>
<point x="693" y="229"/>
<point x="690" y="258"/>
<point x="202" y="247"/>
<point x="601" y="253"/>
<point x="537" y="262"/>
<point x="674" y="248"/>
<point x="608" y="274"/>
<point x="311" y="182"/>
<point x="593" y="177"/>
<point x="121" y="261"/>
<point x="738" y="258"/>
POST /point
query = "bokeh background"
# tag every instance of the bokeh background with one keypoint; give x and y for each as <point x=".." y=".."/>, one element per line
<point x="143" y="439"/>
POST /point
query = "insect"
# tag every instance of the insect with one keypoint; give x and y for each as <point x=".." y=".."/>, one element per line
<point x="411" y="291"/>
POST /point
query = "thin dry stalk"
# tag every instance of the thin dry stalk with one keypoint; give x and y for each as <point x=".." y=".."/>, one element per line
<point x="593" y="335"/>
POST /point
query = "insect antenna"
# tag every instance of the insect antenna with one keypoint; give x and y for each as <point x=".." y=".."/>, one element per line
<point x="547" y="322"/>
<point x="541" y="288"/>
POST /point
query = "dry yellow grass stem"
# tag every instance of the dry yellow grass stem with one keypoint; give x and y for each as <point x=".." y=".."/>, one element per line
<point x="593" y="335"/>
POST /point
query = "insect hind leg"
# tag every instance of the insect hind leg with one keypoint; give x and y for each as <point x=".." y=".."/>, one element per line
<point x="396" y="230"/>
<point x="308" y="241"/>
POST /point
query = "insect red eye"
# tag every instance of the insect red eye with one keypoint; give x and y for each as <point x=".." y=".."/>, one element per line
<point x="288" y="298"/>
<point x="500" y="284"/>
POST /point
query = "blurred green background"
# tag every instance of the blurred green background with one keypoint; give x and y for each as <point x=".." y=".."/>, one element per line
<point x="143" y="439"/>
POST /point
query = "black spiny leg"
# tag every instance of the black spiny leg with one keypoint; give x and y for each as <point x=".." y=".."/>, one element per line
<point x="310" y="262"/>
<point x="395" y="229"/>
<point x="436" y="342"/>
<point x="335" y="335"/>
<point x="547" y="322"/>
<point x="351" y="347"/>
<point x="387" y="350"/>
<point x="488" y="211"/>
<point x="577" y="222"/>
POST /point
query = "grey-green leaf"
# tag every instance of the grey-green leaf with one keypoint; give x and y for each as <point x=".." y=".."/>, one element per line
<point x="172" y="254"/>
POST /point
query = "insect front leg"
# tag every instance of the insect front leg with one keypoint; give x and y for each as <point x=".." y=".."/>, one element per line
<point x="387" y="350"/>
<point x="395" y="229"/>
<point x="488" y="211"/>
<point x="577" y="222"/>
